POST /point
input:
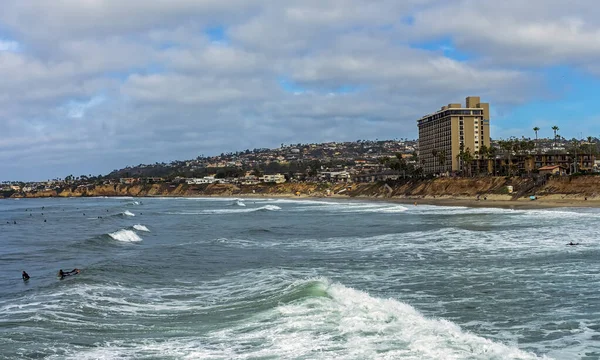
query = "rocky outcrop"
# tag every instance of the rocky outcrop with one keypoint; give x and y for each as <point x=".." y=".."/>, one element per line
<point x="493" y="187"/>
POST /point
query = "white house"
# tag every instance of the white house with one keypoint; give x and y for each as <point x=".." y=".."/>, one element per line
<point x="277" y="178"/>
<point x="199" y="181"/>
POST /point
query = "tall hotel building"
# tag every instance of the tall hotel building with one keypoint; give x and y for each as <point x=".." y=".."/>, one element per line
<point x="444" y="131"/>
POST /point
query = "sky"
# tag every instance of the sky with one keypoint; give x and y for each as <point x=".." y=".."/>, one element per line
<point x="88" y="86"/>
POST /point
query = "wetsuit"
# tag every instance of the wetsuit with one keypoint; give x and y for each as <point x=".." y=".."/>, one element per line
<point x="62" y="274"/>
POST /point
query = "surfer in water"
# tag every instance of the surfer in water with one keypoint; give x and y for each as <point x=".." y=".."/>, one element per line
<point x="63" y="274"/>
<point x="25" y="276"/>
<point x="572" y="244"/>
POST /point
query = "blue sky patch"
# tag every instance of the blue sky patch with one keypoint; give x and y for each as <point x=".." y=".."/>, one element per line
<point x="446" y="47"/>
<point x="78" y="108"/>
<point x="571" y="96"/>
<point x="408" y="20"/>
<point x="216" y="34"/>
<point x="150" y="69"/>
<point x="292" y="87"/>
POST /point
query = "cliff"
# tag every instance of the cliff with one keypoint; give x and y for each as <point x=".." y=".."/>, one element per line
<point x="460" y="188"/>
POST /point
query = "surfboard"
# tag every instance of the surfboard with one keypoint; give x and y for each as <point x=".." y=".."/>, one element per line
<point x="69" y="273"/>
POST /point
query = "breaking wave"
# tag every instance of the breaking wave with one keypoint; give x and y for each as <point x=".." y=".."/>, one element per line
<point x="229" y="211"/>
<point x="307" y="319"/>
<point x="125" y="235"/>
<point x="140" y="227"/>
<point x="239" y="202"/>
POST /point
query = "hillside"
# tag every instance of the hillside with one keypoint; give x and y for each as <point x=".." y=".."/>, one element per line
<point x="494" y="188"/>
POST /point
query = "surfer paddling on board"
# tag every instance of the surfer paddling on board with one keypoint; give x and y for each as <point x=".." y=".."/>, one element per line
<point x="25" y="276"/>
<point x="63" y="274"/>
<point x="572" y="244"/>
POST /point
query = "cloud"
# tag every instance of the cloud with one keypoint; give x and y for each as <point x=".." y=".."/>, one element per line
<point x="77" y="109"/>
<point x="78" y="19"/>
<point x="535" y="33"/>
<point x="93" y="85"/>
<point x="11" y="46"/>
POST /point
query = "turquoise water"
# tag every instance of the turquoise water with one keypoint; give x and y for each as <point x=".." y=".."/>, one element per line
<point x="177" y="278"/>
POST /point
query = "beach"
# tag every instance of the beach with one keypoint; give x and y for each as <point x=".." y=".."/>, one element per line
<point x="583" y="191"/>
<point x="491" y="201"/>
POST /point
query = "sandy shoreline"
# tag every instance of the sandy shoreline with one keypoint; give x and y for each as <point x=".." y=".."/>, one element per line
<point x="491" y="202"/>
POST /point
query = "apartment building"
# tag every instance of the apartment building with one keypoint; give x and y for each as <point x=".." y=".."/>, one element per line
<point x="444" y="133"/>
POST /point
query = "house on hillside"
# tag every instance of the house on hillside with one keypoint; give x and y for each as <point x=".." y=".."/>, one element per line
<point x="277" y="178"/>
<point x="128" y="181"/>
<point x="553" y="170"/>
<point x="335" y="176"/>
<point x="200" y="181"/>
<point x="375" y="177"/>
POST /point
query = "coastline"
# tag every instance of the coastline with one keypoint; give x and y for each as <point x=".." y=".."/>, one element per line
<point x="540" y="203"/>
<point x="496" y="192"/>
<point x="505" y="204"/>
<point x="450" y="201"/>
<point x="493" y="202"/>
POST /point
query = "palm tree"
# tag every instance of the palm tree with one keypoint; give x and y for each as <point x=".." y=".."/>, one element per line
<point x="442" y="159"/>
<point x="536" y="129"/>
<point x="573" y="152"/>
<point x="482" y="153"/>
<point x="591" y="149"/>
<point x="555" y="128"/>
<point x="491" y="155"/>
<point x="468" y="159"/>
<point x="460" y="156"/>
<point x="434" y="153"/>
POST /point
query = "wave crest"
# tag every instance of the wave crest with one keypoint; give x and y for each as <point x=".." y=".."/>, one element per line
<point x="320" y="316"/>
<point x="140" y="227"/>
<point x="125" y="235"/>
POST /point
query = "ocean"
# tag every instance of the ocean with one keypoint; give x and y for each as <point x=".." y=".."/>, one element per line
<point x="219" y="278"/>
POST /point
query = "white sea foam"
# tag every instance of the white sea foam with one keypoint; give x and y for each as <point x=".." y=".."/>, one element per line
<point x="125" y="235"/>
<point x="239" y="202"/>
<point x="128" y="213"/>
<point x="350" y="324"/>
<point x="140" y="227"/>
<point x="344" y="207"/>
<point x="270" y="208"/>
<point x="327" y="321"/>
<point x="114" y="197"/>
<point x="228" y="211"/>
<point x="536" y="213"/>
<point x="388" y="209"/>
<point x="302" y="201"/>
<point x="208" y="199"/>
